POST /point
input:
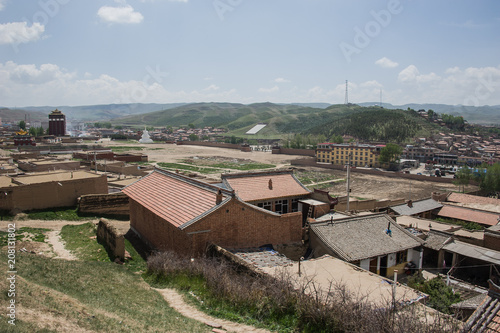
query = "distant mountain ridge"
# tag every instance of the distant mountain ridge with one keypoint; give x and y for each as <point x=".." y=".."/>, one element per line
<point x="484" y="115"/>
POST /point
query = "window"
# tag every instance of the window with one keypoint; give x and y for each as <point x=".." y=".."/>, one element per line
<point x="401" y="257"/>
<point x="266" y="205"/>
<point x="295" y="205"/>
<point x="281" y="206"/>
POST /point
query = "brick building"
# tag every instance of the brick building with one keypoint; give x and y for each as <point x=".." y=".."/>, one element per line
<point x="277" y="191"/>
<point x="57" y="123"/>
<point x="173" y="212"/>
<point x="361" y="154"/>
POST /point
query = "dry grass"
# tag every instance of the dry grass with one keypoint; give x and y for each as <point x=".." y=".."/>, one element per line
<point x="223" y="290"/>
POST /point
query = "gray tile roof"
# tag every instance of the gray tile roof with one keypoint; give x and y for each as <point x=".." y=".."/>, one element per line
<point x="418" y="207"/>
<point x="364" y="237"/>
<point x="436" y="239"/>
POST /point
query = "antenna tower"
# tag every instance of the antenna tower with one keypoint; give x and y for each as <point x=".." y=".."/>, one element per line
<point x="346" y="101"/>
<point x="380" y="97"/>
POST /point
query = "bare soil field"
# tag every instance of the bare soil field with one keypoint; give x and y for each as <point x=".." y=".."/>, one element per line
<point x="362" y="186"/>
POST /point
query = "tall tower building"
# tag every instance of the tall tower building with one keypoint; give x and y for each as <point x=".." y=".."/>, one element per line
<point x="57" y="123"/>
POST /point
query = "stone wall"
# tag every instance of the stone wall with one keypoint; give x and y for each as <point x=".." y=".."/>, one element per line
<point x="112" y="240"/>
<point x="114" y="204"/>
<point x="214" y="144"/>
<point x="312" y="163"/>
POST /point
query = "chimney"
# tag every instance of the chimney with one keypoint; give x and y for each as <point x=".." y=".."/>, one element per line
<point x="410" y="203"/>
<point x="270" y="184"/>
<point x="218" y="197"/>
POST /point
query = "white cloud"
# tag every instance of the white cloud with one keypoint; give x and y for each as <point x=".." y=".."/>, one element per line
<point x="20" y="32"/>
<point x="409" y="74"/>
<point x="166" y="0"/>
<point x="49" y="84"/>
<point x="386" y="63"/>
<point x="281" y="80"/>
<point x="2" y="4"/>
<point x="269" y="90"/>
<point x="125" y="14"/>
<point x="212" y="87"/>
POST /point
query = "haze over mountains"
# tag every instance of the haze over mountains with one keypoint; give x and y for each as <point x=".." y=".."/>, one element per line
<point x="484" y="115"/>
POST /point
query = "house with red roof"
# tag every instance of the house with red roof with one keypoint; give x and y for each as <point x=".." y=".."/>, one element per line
<point x="172" y="212"/>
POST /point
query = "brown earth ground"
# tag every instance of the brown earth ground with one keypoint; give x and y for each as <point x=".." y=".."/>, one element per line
<point x="363" y="186"/>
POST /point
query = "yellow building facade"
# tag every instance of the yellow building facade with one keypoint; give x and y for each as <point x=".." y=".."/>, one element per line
<point x="361" y="155"/>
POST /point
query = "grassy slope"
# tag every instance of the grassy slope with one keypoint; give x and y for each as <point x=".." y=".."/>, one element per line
<point x="56" y="295"/>
<point x="285" y="119"/>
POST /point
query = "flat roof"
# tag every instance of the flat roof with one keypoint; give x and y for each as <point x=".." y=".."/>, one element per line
<point x="56" y="176"/>
<point x="6" y="181"/>
<point x="328" y="271"/>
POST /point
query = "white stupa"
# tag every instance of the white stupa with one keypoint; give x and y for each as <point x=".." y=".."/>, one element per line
<point x="145" y="137"/>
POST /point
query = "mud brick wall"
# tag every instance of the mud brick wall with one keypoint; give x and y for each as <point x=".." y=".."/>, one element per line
<point x="116" y="204"/>
<point x="111" y="239"/>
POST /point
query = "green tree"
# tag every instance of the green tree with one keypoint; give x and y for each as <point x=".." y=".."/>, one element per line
<point x="491" y="180"/>
<point x="191" y="125"/>
<point x="390" y="153"/>
<point x="463" y="177"/>
<point x="193" y="137"/>
<point x="441" y="296"/>
<point x="22" y="125"/>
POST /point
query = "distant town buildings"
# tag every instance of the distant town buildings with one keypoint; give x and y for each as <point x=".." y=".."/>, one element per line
<point x="341" y="154"/>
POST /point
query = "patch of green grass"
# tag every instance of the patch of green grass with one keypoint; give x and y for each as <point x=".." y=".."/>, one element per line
<point x="63" y="213"/>
<point x="178" y="166"/>
<point x="243" y="166"/>
<point x="125" y="148"/>
<point x="95" y="296"/>
<point x="311" y="177"/>
<point x="466" y="225"/>
<point x="25" y="234"/>
<point x="80" y="240"/>
<point x="136" y="263"/>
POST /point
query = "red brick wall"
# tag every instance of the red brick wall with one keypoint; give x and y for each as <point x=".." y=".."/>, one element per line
<point x="233" y="225"/>
<point x="492" y="240"/>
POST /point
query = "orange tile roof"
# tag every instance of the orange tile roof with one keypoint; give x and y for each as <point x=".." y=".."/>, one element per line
<point x="467" y="198"/>
<point x="173" y="197"/>
<point x="470" y="215"/>
<point x="256" y="186"/>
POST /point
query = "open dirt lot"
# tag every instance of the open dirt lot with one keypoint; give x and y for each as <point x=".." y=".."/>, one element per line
<point x="362" y="186"/>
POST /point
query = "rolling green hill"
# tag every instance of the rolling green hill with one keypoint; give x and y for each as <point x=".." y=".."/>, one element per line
<point x="365" y="123"/>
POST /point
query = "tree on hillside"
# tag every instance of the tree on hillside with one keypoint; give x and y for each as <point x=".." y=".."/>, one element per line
<point x="390" y="153"/>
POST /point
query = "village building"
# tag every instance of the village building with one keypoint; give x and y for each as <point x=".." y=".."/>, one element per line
<point x="43" y="165"/>
<point x="340" y="154"/>
<point x="172" y="212"/>
<point x="55" y="189"/>
<point x="373" y="242"/>
<point x="57" y="123"/>
<point x="481" y="217"/>
<point x="425" y="208"/>
<point x="486" y="318"/>
<point x="277" y="191"/>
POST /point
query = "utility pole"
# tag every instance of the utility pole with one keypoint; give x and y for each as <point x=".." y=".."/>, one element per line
<point x="346" y="101"/>
<point x="348" y="179"/>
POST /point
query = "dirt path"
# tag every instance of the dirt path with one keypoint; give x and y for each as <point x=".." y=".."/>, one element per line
<point x="176" y="301"/>
<point x="54" y="239"/>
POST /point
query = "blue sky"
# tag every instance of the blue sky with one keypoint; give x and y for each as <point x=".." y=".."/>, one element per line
<point x="76" y="52"/>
